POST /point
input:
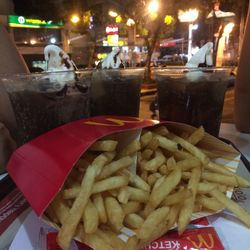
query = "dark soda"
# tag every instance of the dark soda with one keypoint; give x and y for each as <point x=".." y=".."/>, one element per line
<point x="196" y="99"/>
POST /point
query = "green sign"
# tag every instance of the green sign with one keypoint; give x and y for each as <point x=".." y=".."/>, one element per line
<point x="25" y="22"/>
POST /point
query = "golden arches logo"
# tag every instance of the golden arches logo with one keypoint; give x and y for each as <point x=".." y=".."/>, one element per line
<point x="114" y="122"/>
<point x="202" y="242"/>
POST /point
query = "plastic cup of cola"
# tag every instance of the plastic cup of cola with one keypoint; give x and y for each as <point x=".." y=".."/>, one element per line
<point x="192" y="95"/>
<point x="41" y="102"/>
<point x="116" y="91"/>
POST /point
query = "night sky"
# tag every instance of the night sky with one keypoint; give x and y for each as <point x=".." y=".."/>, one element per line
<point x="36" y="8"/>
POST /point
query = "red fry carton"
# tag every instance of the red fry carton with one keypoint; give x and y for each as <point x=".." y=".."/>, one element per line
<point x="40" y="167"/>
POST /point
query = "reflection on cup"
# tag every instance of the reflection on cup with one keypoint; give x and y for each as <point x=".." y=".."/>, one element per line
<point x="44" y="101"/>
<point x="193" y="96"/>
<point x="116" y="91"/>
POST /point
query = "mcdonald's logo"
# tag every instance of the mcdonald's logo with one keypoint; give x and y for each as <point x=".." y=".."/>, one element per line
<point x="202" y="242"/>
<point x="114" y="122"/>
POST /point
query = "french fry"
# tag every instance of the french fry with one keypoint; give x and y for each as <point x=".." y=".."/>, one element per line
<point x="133" y="221"/>
<point x="115" y="213"/>
<point x="153" y="164"/>
<point x="210" y="203"/>
<point x="110" y="156"/>
<point x="153" y="178"/>
<point x="206" y="187"/>
<point x="137" y="194"/>
<point x="181" y="155"/>
<point x="90" y="218"/>
<point x="132" y="243"/>
<point x="136" y="180"/>
<point x="99" y="204"/>
<point x="241" y="182"/>
<point x="163" y="169"/>
<point x="215" y="178"/>
<point x="114" y="192"/>
<point x="177" y="197"/>
<point x="145" y="139"/>
<point x="190" y="148"/>
<point x="60" y="208"/>
<point x="144" y="175"/>
<point x="152" y="222"/>
<point x="115" y="166"/>
<point x="166" y="143"/>
<point x="220" y="178"/>
<point x="173" y="215"/>
<point x="188" y="164"/>
<point x="130" y="149"/>
<point x="240" y="212"/>
<point x="146" y="154"/>
<point x="69" y="226"/>
<point x="171" y="163"/>
<point x="158" y="182"/>
<point x="99" y="186"/>
<point x="109" y="184"/>
<point x="153" y="144"/>
<point x="159" y="231"/>
<point x="123" y="195"/>
<point x="131" y="207"/>
<point x="111" y="238"/>
<point x="99" y="162"/>
<point x="188" y="205"/>
<point x="71" y="193"/>
<point x="105" y="145"/>
<point x="197" y="207"/>
<point x="196" y="136"/>
<point x="172" y="180"/>
<point x="162" y="130"/>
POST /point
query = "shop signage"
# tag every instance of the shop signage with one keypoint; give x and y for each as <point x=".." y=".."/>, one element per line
<point x="112" y="29"/>
<point x="25" y="22"/>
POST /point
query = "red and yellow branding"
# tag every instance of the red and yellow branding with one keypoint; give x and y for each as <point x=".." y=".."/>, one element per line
<point x="192" y="239"/>
<point x="110" y="122"/>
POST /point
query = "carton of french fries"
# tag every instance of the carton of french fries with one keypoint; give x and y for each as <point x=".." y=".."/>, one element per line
<point x="120" y="182"/>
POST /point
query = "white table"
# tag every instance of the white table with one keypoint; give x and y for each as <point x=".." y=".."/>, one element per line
<point x="241" y="141"/>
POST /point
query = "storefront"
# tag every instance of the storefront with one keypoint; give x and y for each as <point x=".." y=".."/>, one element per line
<point x="32" y="35"/>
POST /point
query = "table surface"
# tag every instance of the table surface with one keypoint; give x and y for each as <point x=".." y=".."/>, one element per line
<point x="241" y="141"/>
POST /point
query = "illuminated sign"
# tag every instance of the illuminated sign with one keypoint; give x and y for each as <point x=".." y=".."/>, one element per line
<point x="112" y="30"/>
<point x="24" y="22"/>
<point x="113" y="40"/>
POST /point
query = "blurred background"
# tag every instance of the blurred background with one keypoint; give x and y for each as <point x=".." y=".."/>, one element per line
<point x="152" y="33"/>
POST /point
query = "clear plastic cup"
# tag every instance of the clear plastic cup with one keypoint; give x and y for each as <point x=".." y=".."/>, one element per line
<point x="116" y="91"/>
<point x="45" y="101"/>
<point x="194" y="96"/>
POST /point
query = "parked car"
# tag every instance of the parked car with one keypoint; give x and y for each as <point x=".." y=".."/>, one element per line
<point x="175" y="59"/>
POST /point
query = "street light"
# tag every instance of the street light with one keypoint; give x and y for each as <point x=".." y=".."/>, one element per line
<point x="113" y="13"/>
<point x="153" y="6"/>
<point x="130" y="22"/>
<point x="189" y="16"/>
<point x="75" y="18"/>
